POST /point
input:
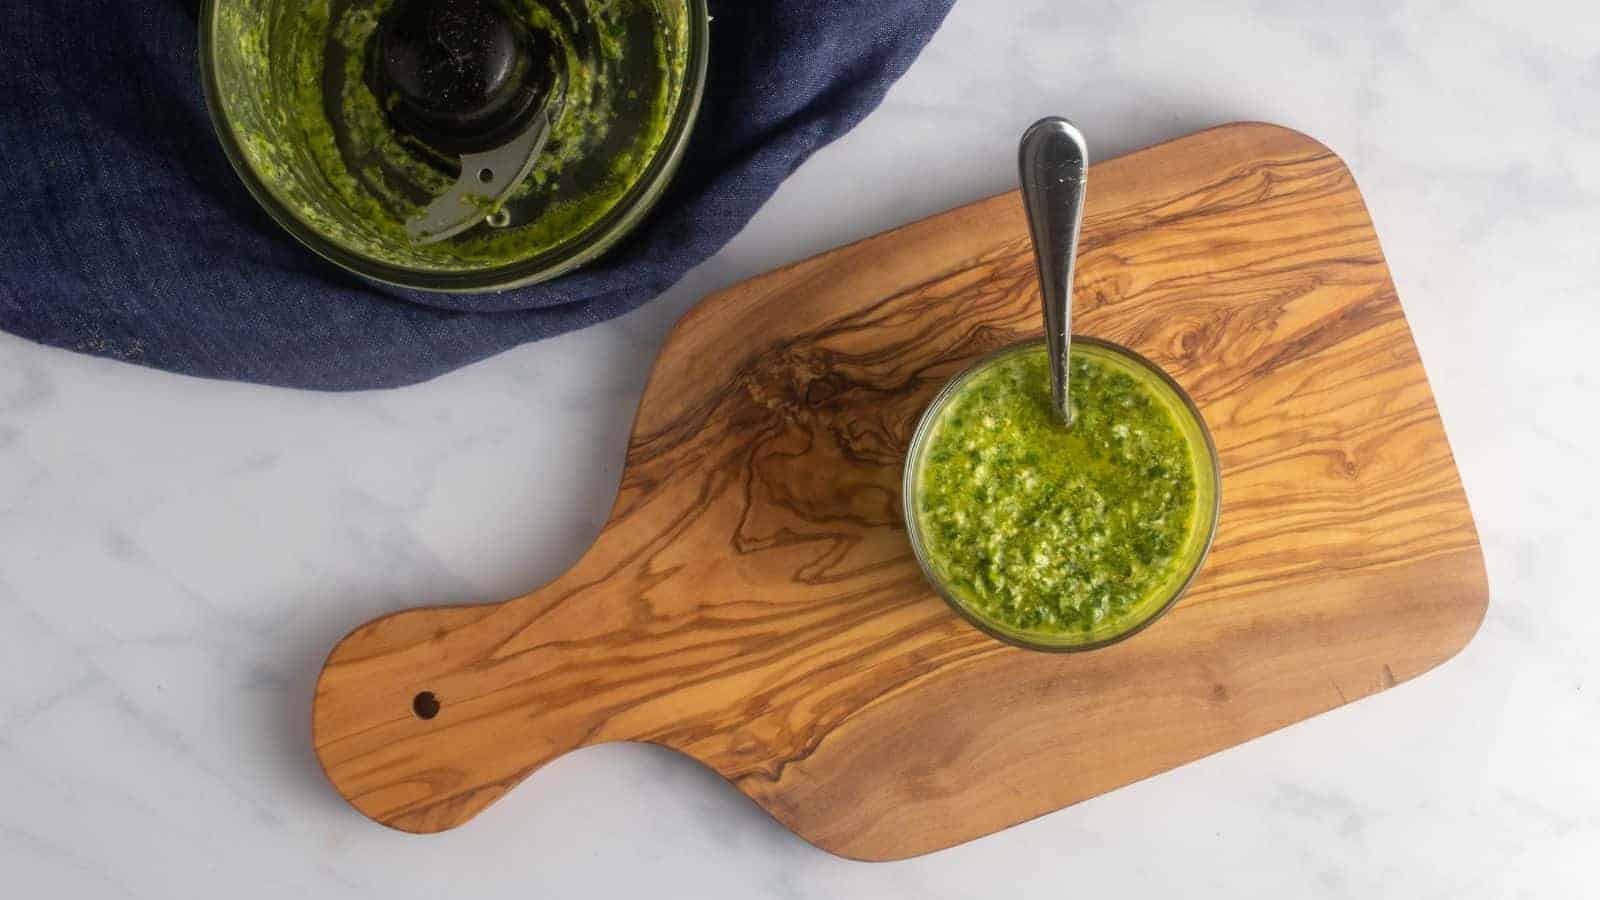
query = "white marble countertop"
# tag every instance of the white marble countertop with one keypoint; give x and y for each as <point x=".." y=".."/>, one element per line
<point x="177" y="555"/>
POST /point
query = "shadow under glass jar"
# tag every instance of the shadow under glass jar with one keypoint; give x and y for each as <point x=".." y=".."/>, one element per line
<point x="1185" y="562"/>
<point x="288" y="86"/>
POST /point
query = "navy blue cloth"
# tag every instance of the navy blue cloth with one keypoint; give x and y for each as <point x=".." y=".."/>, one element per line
<point x="127" y="234"/>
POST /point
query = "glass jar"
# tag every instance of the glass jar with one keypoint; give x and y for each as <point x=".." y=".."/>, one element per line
<point x="1189" y="557"/>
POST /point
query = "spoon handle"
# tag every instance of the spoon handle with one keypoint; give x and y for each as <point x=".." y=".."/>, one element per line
<point x="1054" y="165"/>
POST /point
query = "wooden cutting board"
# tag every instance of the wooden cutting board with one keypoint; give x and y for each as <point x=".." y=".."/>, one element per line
<point x="752" y="600"/>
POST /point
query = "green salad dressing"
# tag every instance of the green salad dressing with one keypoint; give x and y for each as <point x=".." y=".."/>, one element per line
<point x="1045" y="530"/>
<point x="291" y="81"/>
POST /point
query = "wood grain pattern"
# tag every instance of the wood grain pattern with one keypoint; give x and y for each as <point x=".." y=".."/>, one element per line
<point x="752" y="600"/>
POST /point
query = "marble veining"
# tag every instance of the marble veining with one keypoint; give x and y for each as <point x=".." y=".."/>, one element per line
<point x="176" y="555"/>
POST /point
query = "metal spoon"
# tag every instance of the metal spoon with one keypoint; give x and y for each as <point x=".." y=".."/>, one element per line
<point x="1054" y="164"/>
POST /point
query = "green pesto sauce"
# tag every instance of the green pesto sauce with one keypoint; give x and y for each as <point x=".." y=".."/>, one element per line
<point x="290" y="75"/>
<point x="1047" y="530"/>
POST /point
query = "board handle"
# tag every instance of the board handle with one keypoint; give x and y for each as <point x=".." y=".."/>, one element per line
<point x="422" y="718"/>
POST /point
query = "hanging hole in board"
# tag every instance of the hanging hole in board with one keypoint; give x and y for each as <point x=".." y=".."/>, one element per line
<point x="425" y="705"/>
<point x="485" y="175"/>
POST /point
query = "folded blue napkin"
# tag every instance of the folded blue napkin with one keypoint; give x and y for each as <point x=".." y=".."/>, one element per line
<point x="127" y="235"/>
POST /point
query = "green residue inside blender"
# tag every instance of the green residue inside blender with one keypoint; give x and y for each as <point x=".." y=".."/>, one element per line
<point x="292" y="86"/>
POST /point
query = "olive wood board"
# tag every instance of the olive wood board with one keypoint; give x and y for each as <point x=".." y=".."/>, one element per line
<point x="752" y="600"/>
